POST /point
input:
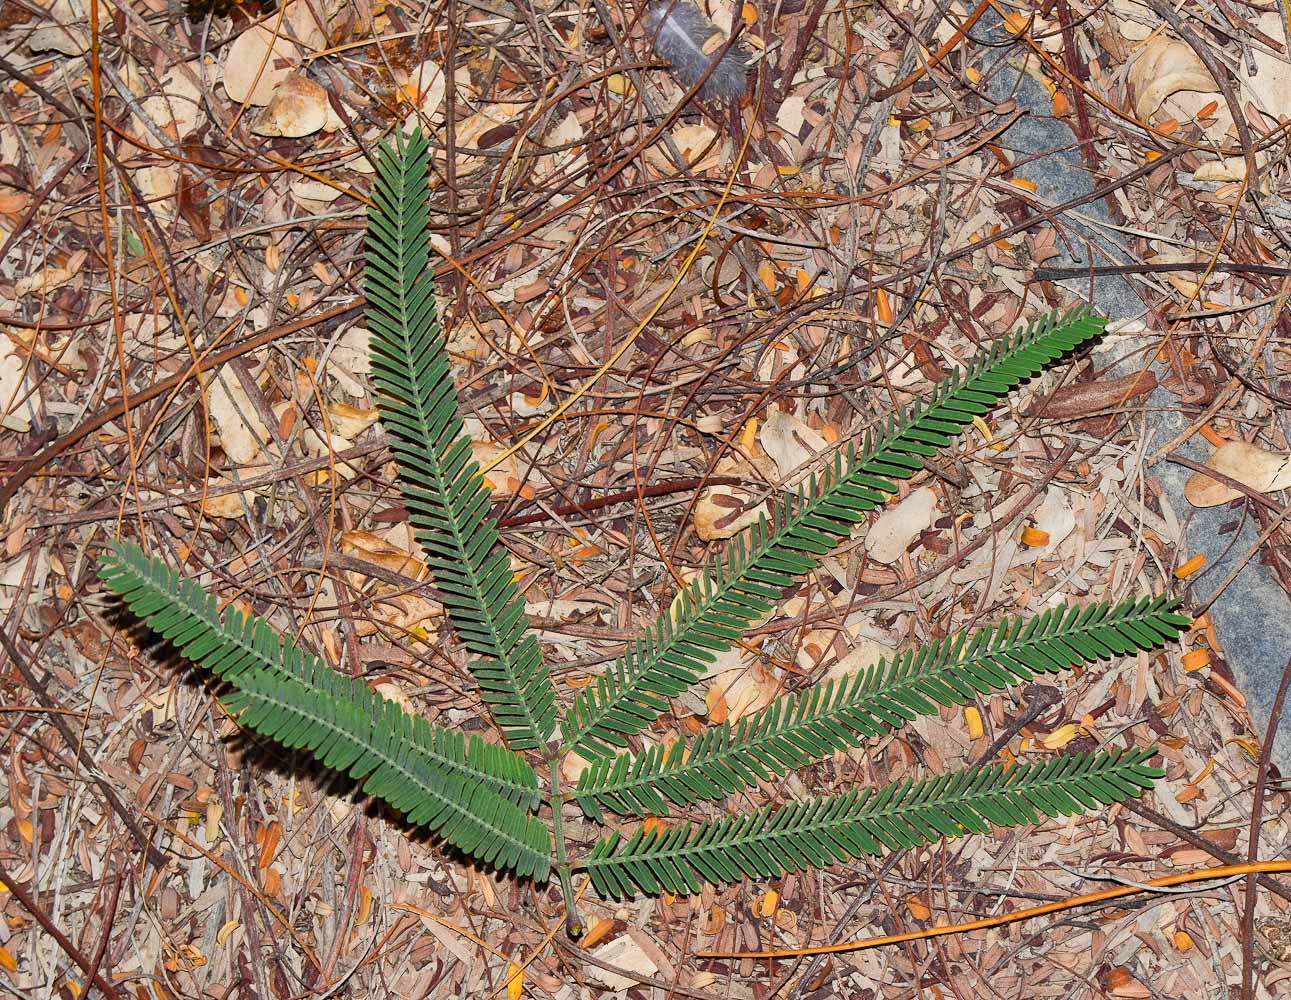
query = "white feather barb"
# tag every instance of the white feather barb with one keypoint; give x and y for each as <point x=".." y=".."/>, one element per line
<point x="689" y="43"/>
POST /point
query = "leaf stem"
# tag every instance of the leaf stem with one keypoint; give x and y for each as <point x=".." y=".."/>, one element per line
<point x="573" y="922"/>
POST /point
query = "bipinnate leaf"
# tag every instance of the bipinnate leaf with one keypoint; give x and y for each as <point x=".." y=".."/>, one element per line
<point x="800" y="729"/>
<point x="717" y="607"/>
<point x="819" y="832"/>
<point x="447" y="501"/>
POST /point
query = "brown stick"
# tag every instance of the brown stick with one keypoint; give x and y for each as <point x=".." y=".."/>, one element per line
<point x="41" y="917"/>
<point x="141" y="839"/>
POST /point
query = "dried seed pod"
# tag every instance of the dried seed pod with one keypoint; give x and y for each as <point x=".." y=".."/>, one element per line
<point x="684" y="38"/>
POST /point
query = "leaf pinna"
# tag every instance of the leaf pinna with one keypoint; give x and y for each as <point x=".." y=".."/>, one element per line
<point x="485" y="799"/>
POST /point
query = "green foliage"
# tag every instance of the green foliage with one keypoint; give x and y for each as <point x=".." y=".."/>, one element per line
<point x="446" y="498"/>
<point x="800" y="729"/>
<point x="819" y="832"/>
<point x="719" y="605"/>
<point x="470" y="792"/>
<point x="481" y="797"/>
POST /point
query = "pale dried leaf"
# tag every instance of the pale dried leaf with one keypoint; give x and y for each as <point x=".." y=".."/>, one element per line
<point x="15" y="418"/>
<point x="246" y="56"/>
<point x="241" y="431"/>
<point x="898" y="526"/>
<point x="1261" y="470"/>
<point x="65" y="39"/>
<point x="48" y="278"/>
<point x="298" y="108"/>
<point x="625" y="954"/>
<point x="789" y="442"/>
<point x="721" y="512"/>
<point x="1164" y="67"/>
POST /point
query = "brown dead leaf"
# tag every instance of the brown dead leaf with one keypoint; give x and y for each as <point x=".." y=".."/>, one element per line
<point x="1164" y="67"/>
<point x="628" y="957"/>
<point x="790" y="443"/>
<point x="247" y="58"/>
<point x="48" y="278"/>
<point x="241" y="431"/>
<point x="898" y="526"/>
<point x="1261" y="470"/>
<point x="375" y="549"/>
<point x="721" y="512"/>
<point x="350" y="421"/>
<point x="12" y="416"/>
<point x="298" y="108"/>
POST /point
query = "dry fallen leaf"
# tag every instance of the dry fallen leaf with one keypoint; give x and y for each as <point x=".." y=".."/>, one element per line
<point x="625" y="955"/>
<point x="1261" y="470"/>
<point x="67" y="40"/>
<point x="898" y="526"/>
<point x="298" y="108"/>
<point x="231" y="506"/>
<point x="789" y="442"/>
<point x="241" y="431"/>
<point x="1270" y="88"/>
<point x="866" y="652"/>
<point x="382" y="552"/>
<point x="245" y="58"/>
<point x="350" y="421"/>
<point x="720" y="512"/>
<point x="1164" y="67"/>
<point x="48" y="278"/>
<point x="177" y="103"/>
<point x="14" y="418"/>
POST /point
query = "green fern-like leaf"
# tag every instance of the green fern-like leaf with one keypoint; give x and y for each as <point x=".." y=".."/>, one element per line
<point x="245" y="649"/>
<point x="440" y="481"/>
<point x="820" y="832"/>
<point x="350" y="728"/>
<point x="717" y="607"/>
<point x="799" y="729"/>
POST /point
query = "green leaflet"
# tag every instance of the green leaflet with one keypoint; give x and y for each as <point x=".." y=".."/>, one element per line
<point x="352" y="729"/>
<point x="250" y="655"/>
<point x="440" y="481"/>
<point x="722" y="602"/>
<point x="802" y="728"/>
<point x="819" y="832"/>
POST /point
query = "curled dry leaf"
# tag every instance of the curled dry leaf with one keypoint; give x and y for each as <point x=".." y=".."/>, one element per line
<point x="241" y="431"/>
<point x="722" y="512"/>
<point x="864" y="653"/>
<point x="247" y="58"/>
<point x="626" y="957"/>
<point x="298" y="108"/>
<point x="65" y="39"/>
<point x="789" y="442"/>
<point x="898" y="526"/>
<point x="12" y="416"/>
<point x="177" y="103"/>
<point x="48" y="278"/>
<point x="350" y="421"/>
<point x="1084" y="399"/>
<point x="504" y="478"/>
<point x="1164" y="67"/>
<point x="382" y="552"/>
<point x="494" y="126"/>
<point x="312" y="195"/>
<point x="1270" y="88"/>
<point x="230" y="506"/>
<point x="1261" y="470"/>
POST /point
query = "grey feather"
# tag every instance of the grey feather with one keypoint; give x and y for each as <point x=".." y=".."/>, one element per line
<point x="680" y="32"/>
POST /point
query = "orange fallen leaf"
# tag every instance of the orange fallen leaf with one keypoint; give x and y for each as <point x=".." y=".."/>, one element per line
<point x="1035" y="538"/>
